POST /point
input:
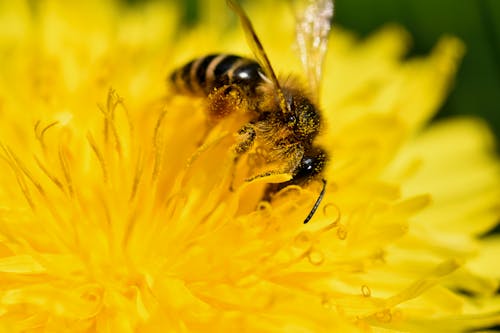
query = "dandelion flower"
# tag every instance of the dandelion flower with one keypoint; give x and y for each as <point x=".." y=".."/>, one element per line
<point x="115" y="209"/>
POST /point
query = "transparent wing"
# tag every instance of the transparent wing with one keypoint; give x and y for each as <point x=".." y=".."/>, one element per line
<point x="314" y="19"/>
<point x="258" y="50"/>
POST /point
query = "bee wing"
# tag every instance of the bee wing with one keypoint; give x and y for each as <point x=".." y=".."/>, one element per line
<point x="313" y="23"/>
<point x="258" y="51"/>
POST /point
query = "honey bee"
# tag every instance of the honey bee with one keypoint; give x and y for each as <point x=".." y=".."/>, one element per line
<point x="285" y="119"/>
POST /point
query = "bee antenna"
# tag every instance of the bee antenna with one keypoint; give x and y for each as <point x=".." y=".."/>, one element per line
<point x="318" y="201"/>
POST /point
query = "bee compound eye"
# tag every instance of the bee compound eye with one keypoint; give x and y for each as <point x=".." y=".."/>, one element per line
<point x="307" y="164"/>
<point x="311" y="164"/>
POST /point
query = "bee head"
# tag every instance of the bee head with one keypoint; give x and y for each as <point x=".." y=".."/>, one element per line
<point x="302" y="116"/>
<point x="311" y="164"/>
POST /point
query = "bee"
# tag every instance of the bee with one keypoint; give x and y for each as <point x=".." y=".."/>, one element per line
<point x="285" y="120"/>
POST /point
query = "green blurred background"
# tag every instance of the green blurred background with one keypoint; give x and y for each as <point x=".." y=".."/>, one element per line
<point x="476" y="22"/>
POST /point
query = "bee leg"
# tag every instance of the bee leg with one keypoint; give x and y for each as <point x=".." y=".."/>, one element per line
<point x="248" y="134"/>
<point x="224" y="100"/>
<point x="264" y="174"/>
<point x="291" y="152"/>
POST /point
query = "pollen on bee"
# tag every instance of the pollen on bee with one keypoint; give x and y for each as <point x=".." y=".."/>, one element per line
<point x="224" y="101"/>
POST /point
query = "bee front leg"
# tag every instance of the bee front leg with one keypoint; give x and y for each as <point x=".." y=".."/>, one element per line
<point x="247" y="136"/>
<point x="292" y="154"/>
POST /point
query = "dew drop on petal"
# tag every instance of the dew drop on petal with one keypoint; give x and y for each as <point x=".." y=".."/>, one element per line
<point x="64" y="118"/>
<point x="366" y="291"/>
<point x="384" y="316"/>
<point x="342" y="232"/>
<point x="326" y="301"/>
<point x="315" y="257"/>
<point x="303" y="240"/>
<point x="397" y="315"/>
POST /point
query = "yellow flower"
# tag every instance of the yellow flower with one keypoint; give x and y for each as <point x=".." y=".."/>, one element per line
<point x="116" y="214"/>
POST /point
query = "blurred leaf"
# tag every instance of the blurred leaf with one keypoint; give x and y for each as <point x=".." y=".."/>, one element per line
<point x="476" y="22"/>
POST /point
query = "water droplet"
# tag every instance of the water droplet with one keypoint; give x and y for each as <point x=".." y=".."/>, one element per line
<point x="384" y="316"/>
<point x="365" y="290"/>
<point x="379" y="257"/>
<point x="397" y="315"/>
<point x="303" y="239"/>
<point x="342" y="232"/>
<point x="315" y="257"/>
<point x="263" y="206"/>
<point x="331" y="211"/>
<point x="326" y="301"/>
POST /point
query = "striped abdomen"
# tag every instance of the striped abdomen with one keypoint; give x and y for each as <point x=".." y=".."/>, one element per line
<point x="201" y="76"/>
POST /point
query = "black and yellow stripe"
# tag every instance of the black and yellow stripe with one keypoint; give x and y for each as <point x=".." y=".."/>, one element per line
<point x="202" y="75"/>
